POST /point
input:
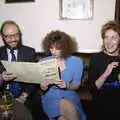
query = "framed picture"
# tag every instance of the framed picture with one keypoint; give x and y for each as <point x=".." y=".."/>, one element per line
<point x="76" y="9"/>
<point x="18" y="1"/>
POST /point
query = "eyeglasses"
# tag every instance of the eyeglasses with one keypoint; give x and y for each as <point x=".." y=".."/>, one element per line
<point x="16" y="35"/>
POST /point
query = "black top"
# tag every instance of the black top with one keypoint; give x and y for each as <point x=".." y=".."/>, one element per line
<point x="98" y="64"/>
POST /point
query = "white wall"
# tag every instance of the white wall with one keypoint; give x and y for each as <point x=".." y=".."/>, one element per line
<point x="39" y="17"/>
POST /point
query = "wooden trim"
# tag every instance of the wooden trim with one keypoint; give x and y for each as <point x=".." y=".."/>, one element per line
<point x="117" y="11"/>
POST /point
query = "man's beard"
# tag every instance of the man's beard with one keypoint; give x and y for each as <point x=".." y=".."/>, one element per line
<point x="13" y="48"/>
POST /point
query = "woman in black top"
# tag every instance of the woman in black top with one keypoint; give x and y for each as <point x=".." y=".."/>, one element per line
<point x="103" y="75"/>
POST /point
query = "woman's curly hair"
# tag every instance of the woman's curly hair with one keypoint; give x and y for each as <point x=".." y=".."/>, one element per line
<point x="61" y="40"/>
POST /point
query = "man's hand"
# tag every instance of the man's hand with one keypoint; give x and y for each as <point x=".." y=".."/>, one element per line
<point x="22" y="97"/>
<point x="7" y="76"/>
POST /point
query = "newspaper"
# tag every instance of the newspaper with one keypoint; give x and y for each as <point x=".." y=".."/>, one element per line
<point x="45" y="71"/>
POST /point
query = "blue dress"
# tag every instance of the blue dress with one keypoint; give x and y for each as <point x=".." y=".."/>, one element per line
<point x="51" y="99"/>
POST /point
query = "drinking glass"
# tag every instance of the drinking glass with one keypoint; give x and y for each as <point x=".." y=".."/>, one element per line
<point x="6" y="105"/>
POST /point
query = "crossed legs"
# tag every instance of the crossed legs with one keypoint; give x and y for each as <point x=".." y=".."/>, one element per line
<point x="68" y="111"/>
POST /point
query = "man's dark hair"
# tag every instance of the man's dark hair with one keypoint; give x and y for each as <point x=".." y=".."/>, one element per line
<point x="10" y="22"/>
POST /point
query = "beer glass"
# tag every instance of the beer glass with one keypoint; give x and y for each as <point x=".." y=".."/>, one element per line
<point x="6" y="105"/>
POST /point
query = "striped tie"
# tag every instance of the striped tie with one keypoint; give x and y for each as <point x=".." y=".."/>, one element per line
<point x="14" y="87"/>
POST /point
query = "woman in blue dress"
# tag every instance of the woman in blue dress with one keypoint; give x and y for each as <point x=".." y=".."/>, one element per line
<point x="60" y="101"/>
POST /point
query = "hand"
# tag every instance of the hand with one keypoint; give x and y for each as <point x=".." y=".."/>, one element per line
<point x="8" y="76"/>
<point x="22" y="97"/>
<point x="61" y="84"/>
<point x="109" y="68"/>
<point x="44" y="86"/>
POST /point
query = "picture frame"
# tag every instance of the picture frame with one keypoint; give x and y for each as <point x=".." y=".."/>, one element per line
<point x="18" y="1"/>
<point x="76" y="9"/>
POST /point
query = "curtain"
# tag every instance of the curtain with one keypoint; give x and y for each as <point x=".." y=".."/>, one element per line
<point x="117" y="11"/>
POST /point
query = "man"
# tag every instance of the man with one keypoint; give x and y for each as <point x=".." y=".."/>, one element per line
<point x="11" y="36"/>
<point x="13" y="50"/>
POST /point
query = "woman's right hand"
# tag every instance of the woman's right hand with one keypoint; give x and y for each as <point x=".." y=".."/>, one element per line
<point x="110" y="68"/>
<point x="44" y="86"/>
<point x="100" y="81"/>
<point x="7" y="76"/>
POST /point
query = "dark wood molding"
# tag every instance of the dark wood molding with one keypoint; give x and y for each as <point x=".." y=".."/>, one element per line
<point x="18" y="1"/>
<point x="117" y="11"/>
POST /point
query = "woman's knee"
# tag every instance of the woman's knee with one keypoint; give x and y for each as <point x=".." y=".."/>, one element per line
<point x="66" y="105"/>
<point x="68" y="110"/>
<point x="61" y="118"/>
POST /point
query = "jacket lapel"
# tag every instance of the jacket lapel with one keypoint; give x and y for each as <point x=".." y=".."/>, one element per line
<point x="20" y="54"/>
<point x="4" y="55"/>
